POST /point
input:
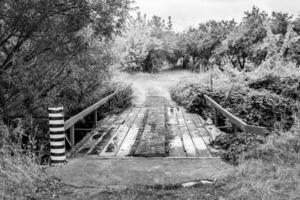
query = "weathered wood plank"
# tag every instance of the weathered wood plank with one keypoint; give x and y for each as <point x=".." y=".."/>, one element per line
<point x="212" y="131"/>
<point x="205" y="134"/>
<point x="100" y="130"/>
<point x="129" y="140"/>
<point x="114" y="127"/>
<point x="116" y="140"/>
<point x="187" y="140"/>
<point x="195" y="133"/>
<point x="86" y="139"/>
<point x="153" y="140"/>
<point x="176" y="143"/>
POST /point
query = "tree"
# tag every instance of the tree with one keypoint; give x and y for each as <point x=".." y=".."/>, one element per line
<point x="280" y="22"/>
<point x="42" y="48"/>
<point x="199" y="44"/>
<point x="296" y="25"/>
<point x="146" y="44"/>
<point x="243" y="44"/>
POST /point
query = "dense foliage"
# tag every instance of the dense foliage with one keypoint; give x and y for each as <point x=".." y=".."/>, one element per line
<point x="259" y="108"/>
<point x="54" y="53"/>
<point x="288" y="87"/>
<point x="259" y="37"/>
<point x="258" y="101"/>
<point x="146" y="45"/>
<point x="247" y="44"/>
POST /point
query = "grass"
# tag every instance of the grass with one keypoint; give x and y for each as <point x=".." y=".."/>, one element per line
<point x="20" y="175"/>
<point x="270" y="172"/>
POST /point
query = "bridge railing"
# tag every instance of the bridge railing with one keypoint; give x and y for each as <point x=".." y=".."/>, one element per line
<point x="70" y="123"/>
<point x="237" y="122"/>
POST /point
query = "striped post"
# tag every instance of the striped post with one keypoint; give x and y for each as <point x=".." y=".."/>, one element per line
<point x="57" y="135"/>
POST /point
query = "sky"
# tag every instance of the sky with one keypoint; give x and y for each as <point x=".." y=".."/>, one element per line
<point x="186" y="13"/>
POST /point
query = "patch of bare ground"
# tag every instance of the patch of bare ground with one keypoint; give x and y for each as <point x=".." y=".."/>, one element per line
<point x="58" y="190"/>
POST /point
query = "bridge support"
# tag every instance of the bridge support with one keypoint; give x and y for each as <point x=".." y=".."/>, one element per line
<point x="57" y="135"/>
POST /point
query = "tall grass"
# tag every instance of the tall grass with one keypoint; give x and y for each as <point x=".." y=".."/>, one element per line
<point x="20" y="175"/>
<point x="270" y="172"/>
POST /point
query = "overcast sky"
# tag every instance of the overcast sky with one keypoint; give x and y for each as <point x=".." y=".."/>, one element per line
<point x="187" y="13"/>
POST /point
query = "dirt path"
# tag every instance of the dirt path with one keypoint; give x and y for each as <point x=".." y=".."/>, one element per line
<point x="130" y="172"/>
<point x="146" y="85"/>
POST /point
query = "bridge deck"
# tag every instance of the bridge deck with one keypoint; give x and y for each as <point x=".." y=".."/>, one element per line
<point x="155" y="129"/>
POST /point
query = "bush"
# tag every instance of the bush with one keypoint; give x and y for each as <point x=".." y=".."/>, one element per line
<point x="288" y="87"/>
<point x="120" y="102"/>
<point x="235" y="145"/>
<point x="260" y="108"/>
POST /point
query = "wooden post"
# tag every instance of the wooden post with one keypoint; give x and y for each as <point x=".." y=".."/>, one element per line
<point x="216" y="118"/>
<point x="95" y="118"/>
<point x="57" y="135"/>
<point x="72" y="135"/>
<point x="235" y="129"/>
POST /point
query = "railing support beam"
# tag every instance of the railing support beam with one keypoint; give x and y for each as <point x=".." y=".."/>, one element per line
<point x="95" y="118"/>
<point x="72" y="135"/>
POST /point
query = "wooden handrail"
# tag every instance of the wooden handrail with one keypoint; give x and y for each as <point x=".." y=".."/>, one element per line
<point x="237" y="121"/>
<point x="73" y="120"/>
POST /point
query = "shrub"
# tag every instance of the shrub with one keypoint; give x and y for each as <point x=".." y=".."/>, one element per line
<point x="288" y="87"/>
<point x="120" y="102"/>
<point x="261" y="108"/>
<point x="235" y="145"/>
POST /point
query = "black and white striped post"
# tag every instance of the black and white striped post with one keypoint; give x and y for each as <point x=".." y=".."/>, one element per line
<point x="57" y="135"/>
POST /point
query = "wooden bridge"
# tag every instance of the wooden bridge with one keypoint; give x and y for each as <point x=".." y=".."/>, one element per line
<point x="157" y="128"/>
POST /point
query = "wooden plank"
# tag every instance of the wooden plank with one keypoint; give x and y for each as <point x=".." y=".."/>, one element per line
<point x="73" y="120"/>
<point x="100" y="130"/>
<point x="129" y="140"/>
<point x="176" y="144"/>
<point x="199" y="123"/>
<point x="200" y="145"/>
<point x="256" y="129"/>
<point x="83" y="129"/>
<point x="113" y="129"/>
<point x="205" y="134"/>
<point x="86" y="139"/>
<point x="116" y="140"/>
<point x="187" y="140"/>
<point x="212" y="131"/>
<point x="153" y="140"/>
